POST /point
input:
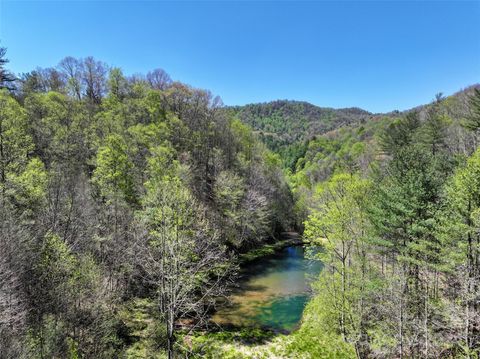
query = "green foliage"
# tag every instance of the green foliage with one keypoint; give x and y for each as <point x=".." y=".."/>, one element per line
<point x="400" y="133"/>
<point x="6" y="77"/>
<point x="284" y="126"/>
<point x="248" y="343"/>
<point x="50" y="341"/>
<point x="339" y="225"/>
<point x="98" y="178"/>
<point x="28" y="187"/>
<point x="113" y="172"/>
<point x="464" y="190"/>
<point x="473" y="120"/>
<point x="120" y="188"/>
<point x="161" y="166"/>
<point x="244" y="137"/>
<point x="16" y="142"/>
<point x="389" y="221"/>
<point x="56" y="260"/>
<point x="317" y="337"/>
<point x="144" y="329"/>
<point x="117" y="84"/>
<point x="459" y="234"/>
<point x="339" y="202"/>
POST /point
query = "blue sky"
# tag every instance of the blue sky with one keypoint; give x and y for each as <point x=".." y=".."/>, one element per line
<point x="379" y="56"/>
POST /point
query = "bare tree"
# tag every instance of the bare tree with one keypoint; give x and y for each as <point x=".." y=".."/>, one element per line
<point x="72" y="70"/>
<point x="13" y="306"/>
<point x="181" y="255"/>
<point x="158" y="79"/>
<point x="94" y="78"/>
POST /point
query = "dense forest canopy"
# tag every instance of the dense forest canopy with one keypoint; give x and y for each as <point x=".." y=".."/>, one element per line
<point x="394" y="204"/>
<point x="127" y="200"/>
<point x="115" y="187"/>
<point x="285" y="126"/>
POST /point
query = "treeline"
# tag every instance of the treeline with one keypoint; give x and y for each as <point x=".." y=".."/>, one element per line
<point x="395" y="206"/>
<point x="116" y="187"/>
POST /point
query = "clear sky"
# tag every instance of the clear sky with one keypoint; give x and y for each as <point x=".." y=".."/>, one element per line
<point x="379" y="56"/>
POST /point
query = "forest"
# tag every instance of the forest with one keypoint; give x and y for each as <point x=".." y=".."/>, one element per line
<point x="128" y="202"/>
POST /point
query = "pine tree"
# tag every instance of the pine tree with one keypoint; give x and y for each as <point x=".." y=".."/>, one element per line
<point x="7" y="79"/>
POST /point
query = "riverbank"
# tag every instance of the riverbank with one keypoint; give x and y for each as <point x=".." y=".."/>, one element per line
<point x="286" y="239"/>
<point x="264" y="296"/>
<point x="244" y="344"/>
<point x="261" y="289"/>
<point x="313" y="339"/>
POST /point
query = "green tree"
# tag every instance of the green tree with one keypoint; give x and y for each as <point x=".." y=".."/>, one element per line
<point x="69" y="308"/>
<point x="22" y="178"/>
<point x="339" y="225"/>
<point x="461" y="239"/>
<point x="228" y="193"/>
<point x="15" y="142"/>
<point x="117" y="84"/>
<point x="113" y="171"/>
<point x="403" y="211"/>
<point x="434" y="130"/>
<point x="6" y="77"/>
<point x="399" y="133"/>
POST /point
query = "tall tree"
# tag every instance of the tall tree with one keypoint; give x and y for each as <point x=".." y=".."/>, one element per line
<point x="180" y="253"/>
<point x="117" y="83"/>
<point x="461" y="238"/>
<point x="7" y="79"/>
<point x="159" y="79"/>
<point x="72" y="70"/>
<point x="340" y="225"/>
<point x="94" y="79"/>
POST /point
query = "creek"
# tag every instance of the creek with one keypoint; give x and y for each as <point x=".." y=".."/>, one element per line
<point x="272" y="291"/>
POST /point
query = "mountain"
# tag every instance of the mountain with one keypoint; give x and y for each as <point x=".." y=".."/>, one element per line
<point x="287" y="126"/>
<point x="287" y="121"/>
<point x="354" y="146"/>
<point x="284" y="126"/>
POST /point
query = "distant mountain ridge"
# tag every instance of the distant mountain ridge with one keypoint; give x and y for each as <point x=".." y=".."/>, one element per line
<point x="287" y="121"/>
<point x="286" y="126"/>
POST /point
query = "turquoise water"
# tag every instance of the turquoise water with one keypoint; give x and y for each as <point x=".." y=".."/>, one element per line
<point x="272" y="291"/>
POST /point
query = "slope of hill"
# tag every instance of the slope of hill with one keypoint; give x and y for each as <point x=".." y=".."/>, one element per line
<point x="284" y="126"/>
<point x="287" y="127"/>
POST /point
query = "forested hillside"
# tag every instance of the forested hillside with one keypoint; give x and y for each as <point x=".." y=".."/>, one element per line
<point x="120" y="195"/>
<point x="394" y="203"/>
<point x="127" y="201"/>
<point x="285" y="126"/>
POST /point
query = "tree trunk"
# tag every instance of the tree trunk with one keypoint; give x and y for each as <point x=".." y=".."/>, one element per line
<point x="170" y="342"/>
<point x="170" y="335"/>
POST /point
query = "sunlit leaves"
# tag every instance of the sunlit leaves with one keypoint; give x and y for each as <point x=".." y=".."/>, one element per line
<point x="113" y="172"/>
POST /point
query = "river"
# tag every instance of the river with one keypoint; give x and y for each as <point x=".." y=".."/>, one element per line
<point x="272" y="291"/>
